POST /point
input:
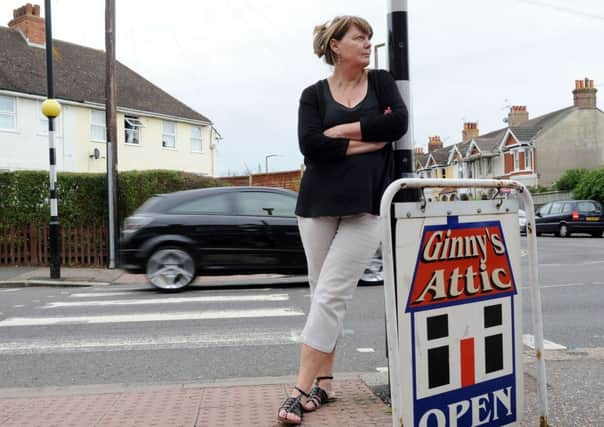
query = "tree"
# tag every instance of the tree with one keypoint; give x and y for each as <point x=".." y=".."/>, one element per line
<point x="591" y="186"/>
<point x="570" y="179"/>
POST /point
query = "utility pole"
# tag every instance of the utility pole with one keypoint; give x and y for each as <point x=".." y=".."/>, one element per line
<point x="51" y="109"/>
<point x="111" y="123"/>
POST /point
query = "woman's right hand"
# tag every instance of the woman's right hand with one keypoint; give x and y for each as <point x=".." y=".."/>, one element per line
<point x="360" y="147"/>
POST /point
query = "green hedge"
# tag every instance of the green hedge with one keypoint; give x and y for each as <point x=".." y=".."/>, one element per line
<point x="24" y="195"/>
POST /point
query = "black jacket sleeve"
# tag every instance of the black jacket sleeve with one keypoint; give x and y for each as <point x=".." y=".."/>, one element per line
<point x="313" y="144"/>
<point x="386" y="127"/>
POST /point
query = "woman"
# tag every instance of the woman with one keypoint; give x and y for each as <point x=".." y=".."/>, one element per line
<point x="345" y="124"/>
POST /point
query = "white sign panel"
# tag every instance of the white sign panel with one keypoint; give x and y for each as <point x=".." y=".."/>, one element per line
<point x="457" y="271"/>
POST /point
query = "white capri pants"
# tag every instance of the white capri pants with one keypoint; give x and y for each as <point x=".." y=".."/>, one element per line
<point x="338" y="249"/>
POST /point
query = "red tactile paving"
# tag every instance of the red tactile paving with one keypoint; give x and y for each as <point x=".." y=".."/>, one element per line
<point x="64" y="411"/>
<point x="192" y="407"/>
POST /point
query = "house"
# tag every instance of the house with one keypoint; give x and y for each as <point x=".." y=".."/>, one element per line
<point x="155" y="130"/>
<point x="533" y="151"/>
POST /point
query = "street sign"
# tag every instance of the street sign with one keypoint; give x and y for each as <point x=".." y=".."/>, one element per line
<point x="453" y="306"/>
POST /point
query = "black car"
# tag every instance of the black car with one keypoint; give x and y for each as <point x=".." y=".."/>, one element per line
<point x="225" y="230"/>
<point x="570" y="216"/>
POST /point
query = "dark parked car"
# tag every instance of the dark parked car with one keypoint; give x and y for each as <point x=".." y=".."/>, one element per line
<point x="522" y="221"/>
<point x="226" y="230"/>
<point x="570" y="216"/>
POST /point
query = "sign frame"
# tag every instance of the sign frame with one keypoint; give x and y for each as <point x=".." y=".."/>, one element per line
<point x="396" y="294"/>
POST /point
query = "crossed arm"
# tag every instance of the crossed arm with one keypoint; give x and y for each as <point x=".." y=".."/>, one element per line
<point x="348" y="139"/>
<point x="352" y="132"/>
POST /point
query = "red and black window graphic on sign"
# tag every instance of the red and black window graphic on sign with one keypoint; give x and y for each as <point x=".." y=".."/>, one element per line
<point x="460" y="263"/>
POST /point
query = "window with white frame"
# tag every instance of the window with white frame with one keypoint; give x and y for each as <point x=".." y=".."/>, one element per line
<point x="132" y="129"/>
<point x="98" y="131"/>
<point x="527" y="159"/>
<point x="169" y="135"/>
<point x="8" y="112"/>
<point x="196" y="139"/>
<point x="516" y="160"/>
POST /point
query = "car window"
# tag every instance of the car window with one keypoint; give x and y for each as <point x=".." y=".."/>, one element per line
<point x="265" y="204"/>
<point x="545" y="209"/>
<point x="556" y="208"/>
<point x="568" y="208"/>
<point x="215" y="204"/>
<point x="586" y="207"/>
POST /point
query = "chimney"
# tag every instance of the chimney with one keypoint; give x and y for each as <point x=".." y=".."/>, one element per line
<point x="419" y="151"/>
<point x="29" y="23"/>
<point x="434" y="143"/>
<point x="585" y="93"/>
<point x="470" y="130"/>
<point x="517" y="115"/>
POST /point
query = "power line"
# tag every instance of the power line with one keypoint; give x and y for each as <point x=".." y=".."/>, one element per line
<point x="563" y="9"/>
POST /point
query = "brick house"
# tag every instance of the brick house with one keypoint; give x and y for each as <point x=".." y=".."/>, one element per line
<point x="534" y="151"/>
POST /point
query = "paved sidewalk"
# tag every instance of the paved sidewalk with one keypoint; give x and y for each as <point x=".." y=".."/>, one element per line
<point x="186" y="405"/>
<point x="40" y="276"/>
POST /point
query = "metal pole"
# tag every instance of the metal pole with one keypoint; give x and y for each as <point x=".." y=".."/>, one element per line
<point x="111" y="122"/>
<point x="398" y="62"/>
<point x="375" y="53"/>
<point x="54" y="232"/>
<point x="266" y="161"/>
<point x="398" y="54"/>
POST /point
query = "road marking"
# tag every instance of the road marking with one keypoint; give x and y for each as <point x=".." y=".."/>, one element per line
<point x="216" y="339"/>
<point x="150" y="317"/>
<point x="18" y="306"/>
<point x="98" y="294"/>
<point x="173" y="300"/>
<point x="9" y="290"/>
<point x="365" y="350"/>
<point x="529" y="341"/>
<point x="294" y="336"/>
<point x="382" y="369"/>
<point x="559" y="285"/>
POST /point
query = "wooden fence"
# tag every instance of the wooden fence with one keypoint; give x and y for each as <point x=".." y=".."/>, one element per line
<point x="83" y="246"/>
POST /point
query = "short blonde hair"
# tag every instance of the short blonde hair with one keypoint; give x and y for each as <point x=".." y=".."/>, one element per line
<point x="336" y="29"/>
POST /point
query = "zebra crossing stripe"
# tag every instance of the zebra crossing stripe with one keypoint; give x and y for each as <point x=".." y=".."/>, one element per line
<point x="150" y="317"/>
<point x="171" y="300"/>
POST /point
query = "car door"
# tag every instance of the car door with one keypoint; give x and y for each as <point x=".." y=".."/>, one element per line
<point x="280" y="247"/>
<point x="554" y="217"/>
<point x="541" y="218"/>
<point x="209" y="220"/>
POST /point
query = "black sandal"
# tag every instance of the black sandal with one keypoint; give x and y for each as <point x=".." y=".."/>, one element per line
<point x="292" y="405"/>
<point x="318" y="396"/>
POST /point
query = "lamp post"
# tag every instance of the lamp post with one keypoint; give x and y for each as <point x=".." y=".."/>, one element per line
<point x="375" y="53"/>
<point x="266" y="161"/>
<point x="51" y="109"/>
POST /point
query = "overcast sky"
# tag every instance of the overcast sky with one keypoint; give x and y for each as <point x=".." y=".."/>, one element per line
<point x="244" y="63"/>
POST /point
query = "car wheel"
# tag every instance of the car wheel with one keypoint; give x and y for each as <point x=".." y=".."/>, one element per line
<point x="170" y="269"/>
<point x="563" y="231"/>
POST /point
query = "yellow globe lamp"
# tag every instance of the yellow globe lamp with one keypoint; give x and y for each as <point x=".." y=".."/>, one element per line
<point x="51" y="108"/>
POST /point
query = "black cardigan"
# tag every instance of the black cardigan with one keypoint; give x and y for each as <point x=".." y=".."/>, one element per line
<point x="335" y="184"/>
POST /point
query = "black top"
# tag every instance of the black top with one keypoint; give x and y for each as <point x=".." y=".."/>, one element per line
<point x="335" y="184"/>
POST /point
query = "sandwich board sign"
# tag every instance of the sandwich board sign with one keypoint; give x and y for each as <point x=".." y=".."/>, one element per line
<point x="456" y="272"/>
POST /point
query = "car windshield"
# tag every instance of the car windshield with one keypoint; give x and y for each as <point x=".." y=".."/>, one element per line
<point x="149" y="205"/>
